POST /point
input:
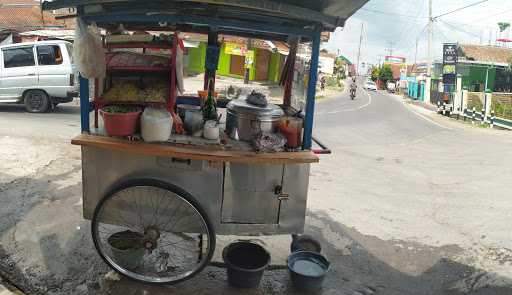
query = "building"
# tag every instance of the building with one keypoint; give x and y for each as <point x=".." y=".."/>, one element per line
<point x="18" y="16"/>
<point x="326" y="62"/>
<point x="479" y="68"/>
<point x="265" y="59"/>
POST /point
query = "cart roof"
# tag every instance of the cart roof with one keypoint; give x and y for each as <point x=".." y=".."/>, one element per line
<point x="326" y="14"/>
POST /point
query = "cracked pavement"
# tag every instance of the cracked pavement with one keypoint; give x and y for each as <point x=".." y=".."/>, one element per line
<point x="408" y="203"/>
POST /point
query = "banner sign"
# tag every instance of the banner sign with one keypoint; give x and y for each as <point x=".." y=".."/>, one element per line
<point x="235" y="49"/>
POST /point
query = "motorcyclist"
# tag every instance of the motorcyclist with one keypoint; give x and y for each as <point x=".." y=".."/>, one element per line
<point x="353" y="87"/>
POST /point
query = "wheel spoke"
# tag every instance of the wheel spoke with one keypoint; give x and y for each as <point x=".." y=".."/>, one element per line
<point x="141" y="213"/>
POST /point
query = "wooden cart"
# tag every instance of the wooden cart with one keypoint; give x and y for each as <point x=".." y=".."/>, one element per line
<point x="156" y="208"/>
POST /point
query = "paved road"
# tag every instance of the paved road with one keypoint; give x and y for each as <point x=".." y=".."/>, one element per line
<point x="408" y="203"/>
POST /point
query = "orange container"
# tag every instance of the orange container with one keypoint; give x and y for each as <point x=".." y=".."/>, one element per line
<point x="204" y="94"/>
<point x="291" y="127"/>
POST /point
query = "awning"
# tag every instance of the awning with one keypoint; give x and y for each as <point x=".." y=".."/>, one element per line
<point x="297" y="13"/>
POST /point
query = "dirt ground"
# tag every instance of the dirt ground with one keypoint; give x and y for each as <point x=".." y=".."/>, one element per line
<point x="407" y="204"/>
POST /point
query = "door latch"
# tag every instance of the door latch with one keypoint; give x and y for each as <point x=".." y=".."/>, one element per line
<point x="278" y="190"/>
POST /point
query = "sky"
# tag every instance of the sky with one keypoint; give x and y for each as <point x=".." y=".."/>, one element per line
<point x="398" y="24"/>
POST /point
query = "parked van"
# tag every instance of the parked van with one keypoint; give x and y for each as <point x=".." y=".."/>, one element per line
<point x="39" y="75"/>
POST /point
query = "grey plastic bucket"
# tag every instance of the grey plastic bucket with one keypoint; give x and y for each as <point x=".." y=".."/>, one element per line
<point x="307" y="270"/>
<point x="245" y="262"/>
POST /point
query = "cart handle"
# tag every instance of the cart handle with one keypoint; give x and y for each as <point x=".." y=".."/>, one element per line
<point x="323" y="150"/>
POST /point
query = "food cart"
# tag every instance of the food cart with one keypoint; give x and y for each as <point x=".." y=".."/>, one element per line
<point x="171" y="199"/>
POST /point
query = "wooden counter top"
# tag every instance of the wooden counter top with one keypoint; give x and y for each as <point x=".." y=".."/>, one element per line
<point x="192" y="152"/>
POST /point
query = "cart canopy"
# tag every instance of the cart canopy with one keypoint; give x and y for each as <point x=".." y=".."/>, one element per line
<point x="326" y="15"/>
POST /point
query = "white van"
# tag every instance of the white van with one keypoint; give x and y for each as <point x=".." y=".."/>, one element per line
<point x="39" y="75"/>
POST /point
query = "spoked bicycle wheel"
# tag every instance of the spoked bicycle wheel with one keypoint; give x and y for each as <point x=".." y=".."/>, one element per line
<point x="152" y="232"/>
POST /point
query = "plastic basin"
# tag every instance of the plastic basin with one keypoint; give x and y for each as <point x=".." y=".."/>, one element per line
<point x="120" y="124"/>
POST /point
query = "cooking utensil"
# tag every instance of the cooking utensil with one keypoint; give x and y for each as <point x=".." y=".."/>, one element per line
<point x="251" y="120"/>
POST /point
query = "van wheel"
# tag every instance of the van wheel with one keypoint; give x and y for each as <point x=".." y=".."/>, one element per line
<point x="36" y="101"/>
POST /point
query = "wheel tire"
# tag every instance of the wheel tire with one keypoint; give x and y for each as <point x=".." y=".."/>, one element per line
<point x="36" y="101"/>
<point x="165" y="186"/>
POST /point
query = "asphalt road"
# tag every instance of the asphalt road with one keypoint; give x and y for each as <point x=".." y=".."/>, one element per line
<point x="408" y="203"/>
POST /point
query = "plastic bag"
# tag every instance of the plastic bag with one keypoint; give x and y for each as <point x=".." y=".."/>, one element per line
<point x="156" y="124"/>
<point x="179" y="71"/>
<point x="88" y="51"/>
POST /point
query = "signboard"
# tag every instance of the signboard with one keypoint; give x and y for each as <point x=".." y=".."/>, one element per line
<point x="235" y="48"/>
<point x="449" y="54"/>
<point x="249" y="58"/>
<point x="394" y="59"/>
<point x="449" y="69"/>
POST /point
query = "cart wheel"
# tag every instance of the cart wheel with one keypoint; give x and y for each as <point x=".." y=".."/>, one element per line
<point x="153" y="232"/>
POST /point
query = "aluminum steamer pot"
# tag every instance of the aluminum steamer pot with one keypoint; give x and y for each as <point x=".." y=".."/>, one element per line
<point x="248" y="120"/>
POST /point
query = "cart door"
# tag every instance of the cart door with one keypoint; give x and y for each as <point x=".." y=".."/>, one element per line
<point x="249" y="193"/>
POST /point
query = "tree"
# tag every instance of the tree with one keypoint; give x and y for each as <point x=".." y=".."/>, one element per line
<point x="385" y="73"/>
<point x="375" y="73"/>
<point x="503" y="26"/>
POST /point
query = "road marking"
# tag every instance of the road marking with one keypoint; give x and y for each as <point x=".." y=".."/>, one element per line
<point x="411" y="109"/>
<point x="353" y="109"/>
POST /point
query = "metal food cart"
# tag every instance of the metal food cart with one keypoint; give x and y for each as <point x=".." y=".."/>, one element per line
<point x="174" y="199"/>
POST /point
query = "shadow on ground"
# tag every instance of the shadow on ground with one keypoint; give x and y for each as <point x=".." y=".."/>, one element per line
<point x="46" y="249"/>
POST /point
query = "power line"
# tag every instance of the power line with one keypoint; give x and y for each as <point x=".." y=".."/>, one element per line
<point x="460" y="29"/>
<point x="391" y="13"/>
<point x="487" y="17"/>
<point x="461" y="8"/>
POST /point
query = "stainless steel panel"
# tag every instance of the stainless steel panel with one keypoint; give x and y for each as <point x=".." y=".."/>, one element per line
<point x="249" y="193"/>
<point x="204" y="181"/>
<point x="292" y="212"/>
<point x="103" y="168"/>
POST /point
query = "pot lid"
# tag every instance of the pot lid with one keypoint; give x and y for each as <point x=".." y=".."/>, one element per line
<point x="241" y="106"/>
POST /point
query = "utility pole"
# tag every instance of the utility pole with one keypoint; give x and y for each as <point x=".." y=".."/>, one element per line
<point x="416" y="52"/>
<point x="390" y="48"/>
<point x="430" y="34"/>
<point x="428" y="83"/>
<point x="359" y="51"/>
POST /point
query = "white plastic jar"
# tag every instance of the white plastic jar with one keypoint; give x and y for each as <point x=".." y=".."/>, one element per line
<point x="156" y="124"/>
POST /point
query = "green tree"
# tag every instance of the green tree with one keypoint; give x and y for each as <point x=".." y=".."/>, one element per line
<point x="385" y="73"/>
<point x="375" y="73"/>
<point x="503" y="26"/>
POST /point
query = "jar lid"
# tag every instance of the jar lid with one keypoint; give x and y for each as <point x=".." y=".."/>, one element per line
<point x="241" y="106"/>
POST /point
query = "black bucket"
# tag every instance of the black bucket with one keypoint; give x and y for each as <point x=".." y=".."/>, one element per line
<point x="307" y="270"/>
<point x="245" y="262"/>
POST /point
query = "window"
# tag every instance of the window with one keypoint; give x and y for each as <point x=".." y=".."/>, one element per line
<point x="18" y="57"/>
<point x="49" y="55"/>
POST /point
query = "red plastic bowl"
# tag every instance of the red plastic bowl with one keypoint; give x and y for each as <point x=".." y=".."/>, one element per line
<point x="120" y="124"/>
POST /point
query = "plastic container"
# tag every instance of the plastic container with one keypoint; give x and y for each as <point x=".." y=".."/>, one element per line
<point x="307" y="270"/>
<point x="211" y="130"/>
<point x="120" y="124"/>
<point x="125" y="249"/>
<point x="291" y="127"/>
<point x="245" y="262"/>
<point x="156" y="124"/>
<point x="305" y="243"/>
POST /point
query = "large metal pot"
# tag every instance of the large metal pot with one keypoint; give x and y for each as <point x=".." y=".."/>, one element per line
<point x="247" y="120"/>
